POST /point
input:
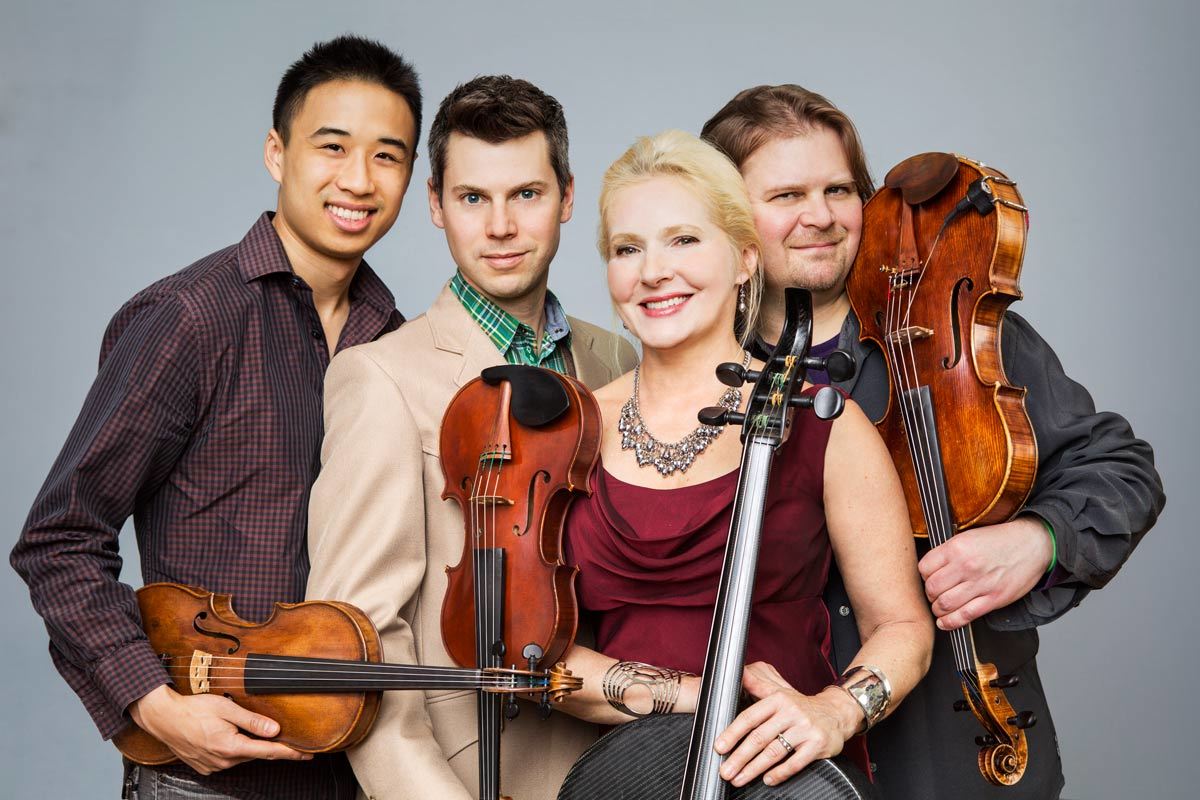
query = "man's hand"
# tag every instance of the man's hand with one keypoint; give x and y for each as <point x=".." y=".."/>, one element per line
<point x="203" y="730"/>
<point x="982" y="569"/>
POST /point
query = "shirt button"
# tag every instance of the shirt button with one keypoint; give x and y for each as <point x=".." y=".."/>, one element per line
<point x="296" y="280"/>
<point x="844" y="610"/>
<point x="874" y="767"/>
<point x="316" y="333"/>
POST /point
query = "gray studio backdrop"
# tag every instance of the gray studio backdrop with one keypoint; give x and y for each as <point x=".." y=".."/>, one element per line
<point x="131" y="138"/>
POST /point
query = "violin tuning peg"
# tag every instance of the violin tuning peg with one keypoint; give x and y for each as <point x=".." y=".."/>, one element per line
<point x="986" y="741"/>
<point x="511" y="709"/>
<point x="1004" y="682"/>
<point x="962" y="705"/>
<point x="543" y="708"/>
<point x="1026" y="719"/>
<point x="731" y="373"/>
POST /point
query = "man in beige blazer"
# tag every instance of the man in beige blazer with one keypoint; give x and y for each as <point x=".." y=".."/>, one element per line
<point x="380" y="536"/>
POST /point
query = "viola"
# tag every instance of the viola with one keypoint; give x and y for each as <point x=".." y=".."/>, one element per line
<point x="937" y="267"/>
<point x="517" y="445"/>
<point x="313" y="667"/>
<point x="672" y="756"/>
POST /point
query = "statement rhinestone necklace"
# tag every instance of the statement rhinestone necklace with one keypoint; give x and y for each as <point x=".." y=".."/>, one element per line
<point x="669" y="457"/>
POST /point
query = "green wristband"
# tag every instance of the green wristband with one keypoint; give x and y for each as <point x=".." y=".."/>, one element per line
<point x="1053" y="546"/>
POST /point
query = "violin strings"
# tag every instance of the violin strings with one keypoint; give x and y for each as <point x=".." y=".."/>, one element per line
<point x="906" y="376"/>
<point x="961" y="639"/>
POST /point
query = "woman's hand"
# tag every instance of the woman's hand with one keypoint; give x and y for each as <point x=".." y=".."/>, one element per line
<point x="815" y="727"/>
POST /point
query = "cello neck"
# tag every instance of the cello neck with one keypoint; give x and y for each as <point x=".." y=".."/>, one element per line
<point x="720" y="687"/>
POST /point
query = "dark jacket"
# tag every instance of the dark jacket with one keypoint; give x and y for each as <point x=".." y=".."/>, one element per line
<point x="1098" y="488"/>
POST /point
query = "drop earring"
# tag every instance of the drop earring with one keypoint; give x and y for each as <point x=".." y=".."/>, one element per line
<point x="741" y="298"/>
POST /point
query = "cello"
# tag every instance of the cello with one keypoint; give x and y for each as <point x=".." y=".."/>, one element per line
<point x="517" y="444"/>
<point x="314" y="667"/>
<point x="937" y="268"/>
<point x="671" y="756"/>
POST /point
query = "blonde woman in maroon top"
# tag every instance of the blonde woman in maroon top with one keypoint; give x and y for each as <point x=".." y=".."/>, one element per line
<point x="678" y="236"/>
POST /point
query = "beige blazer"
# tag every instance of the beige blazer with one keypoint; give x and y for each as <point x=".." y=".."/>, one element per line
<point x="380" y="537"/>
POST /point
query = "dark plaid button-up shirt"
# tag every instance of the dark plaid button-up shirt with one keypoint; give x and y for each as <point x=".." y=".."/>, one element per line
<point x="205" y="424"/>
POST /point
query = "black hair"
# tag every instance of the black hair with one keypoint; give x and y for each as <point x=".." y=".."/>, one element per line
<point x="342" y="59"/>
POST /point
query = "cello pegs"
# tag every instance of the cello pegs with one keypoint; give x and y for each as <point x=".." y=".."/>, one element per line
<point x="1026" y="719"/>
<point x="986" y="741"/>
<point x="733" y="374"/>
<point x="1004" y="682"/>
<point x="718" y="416"/>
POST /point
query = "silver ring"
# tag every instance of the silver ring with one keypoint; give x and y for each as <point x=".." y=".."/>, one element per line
<point x="786" y="744"/>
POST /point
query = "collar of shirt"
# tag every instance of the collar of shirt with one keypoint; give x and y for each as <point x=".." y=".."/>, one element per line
<point x="261" y="253"/>
<point x="513" y="338"/>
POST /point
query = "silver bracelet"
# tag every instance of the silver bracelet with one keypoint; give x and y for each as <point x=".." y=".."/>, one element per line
<point x="871" y="689"/>
<point x="663" y="685"/>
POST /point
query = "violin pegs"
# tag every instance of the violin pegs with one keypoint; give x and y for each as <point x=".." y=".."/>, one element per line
<point x="511" y="709"/>
<point x="962" y="705"/>
<point x="1004" y="682"/>
<point x="543" y="707"/>
<point x="986" y="741"/>
<point x="1026" y="719"/>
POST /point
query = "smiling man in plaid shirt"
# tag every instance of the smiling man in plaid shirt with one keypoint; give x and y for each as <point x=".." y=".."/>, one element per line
<point x="204" y="424"/>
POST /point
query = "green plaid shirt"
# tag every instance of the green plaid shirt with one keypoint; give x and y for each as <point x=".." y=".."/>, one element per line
<point x="513" y="338"/>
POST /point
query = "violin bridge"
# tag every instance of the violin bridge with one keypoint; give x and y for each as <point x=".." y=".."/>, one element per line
<point x="491" y="500"/>
<point x="198" y="677"/>
<point x="909" y="335"/>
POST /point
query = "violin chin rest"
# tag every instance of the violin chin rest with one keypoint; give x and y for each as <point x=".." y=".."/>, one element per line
<point x="922" y="177"/>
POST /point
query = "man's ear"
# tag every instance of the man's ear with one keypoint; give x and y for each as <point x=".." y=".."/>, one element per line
<point x="435" y="205"/>
<point x="273" y="155"/>
<point x="568" y="201"/>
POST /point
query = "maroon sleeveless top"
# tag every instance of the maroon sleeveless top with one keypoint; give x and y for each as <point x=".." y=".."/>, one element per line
<point x="650" y="560"/>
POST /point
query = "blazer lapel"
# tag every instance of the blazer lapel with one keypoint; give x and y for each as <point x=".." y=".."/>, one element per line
<point x="455" y="332"/>
<point x="593" y="371"/>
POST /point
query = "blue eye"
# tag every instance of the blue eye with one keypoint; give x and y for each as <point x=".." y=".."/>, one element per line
<point x="472" y="199"/>
<point x="527" y="194"/>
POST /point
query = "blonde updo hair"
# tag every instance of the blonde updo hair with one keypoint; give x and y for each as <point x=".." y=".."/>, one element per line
<point x="713" y="178"/>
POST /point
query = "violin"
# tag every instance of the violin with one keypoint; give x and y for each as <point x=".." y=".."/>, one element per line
<point x="313" y="667"/>
<point x="938" y="266"/>
<point x="671" y="757"/>
<point x="517" y="445"/>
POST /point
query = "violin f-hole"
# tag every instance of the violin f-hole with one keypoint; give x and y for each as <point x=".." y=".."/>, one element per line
<point x="237" y="645"/>
<point x="965" y="281"/>
<point x="545" y="476"/>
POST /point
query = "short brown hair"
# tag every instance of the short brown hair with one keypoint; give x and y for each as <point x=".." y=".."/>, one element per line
<point x="758" y="115"/>
<point x="496" y="109"/>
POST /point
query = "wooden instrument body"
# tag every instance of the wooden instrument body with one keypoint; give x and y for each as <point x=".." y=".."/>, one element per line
<point x="181" y="620"/>
<point x="934" y="275"/>
<point x="532" y="489"/>
<point x="962" y="297"/>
